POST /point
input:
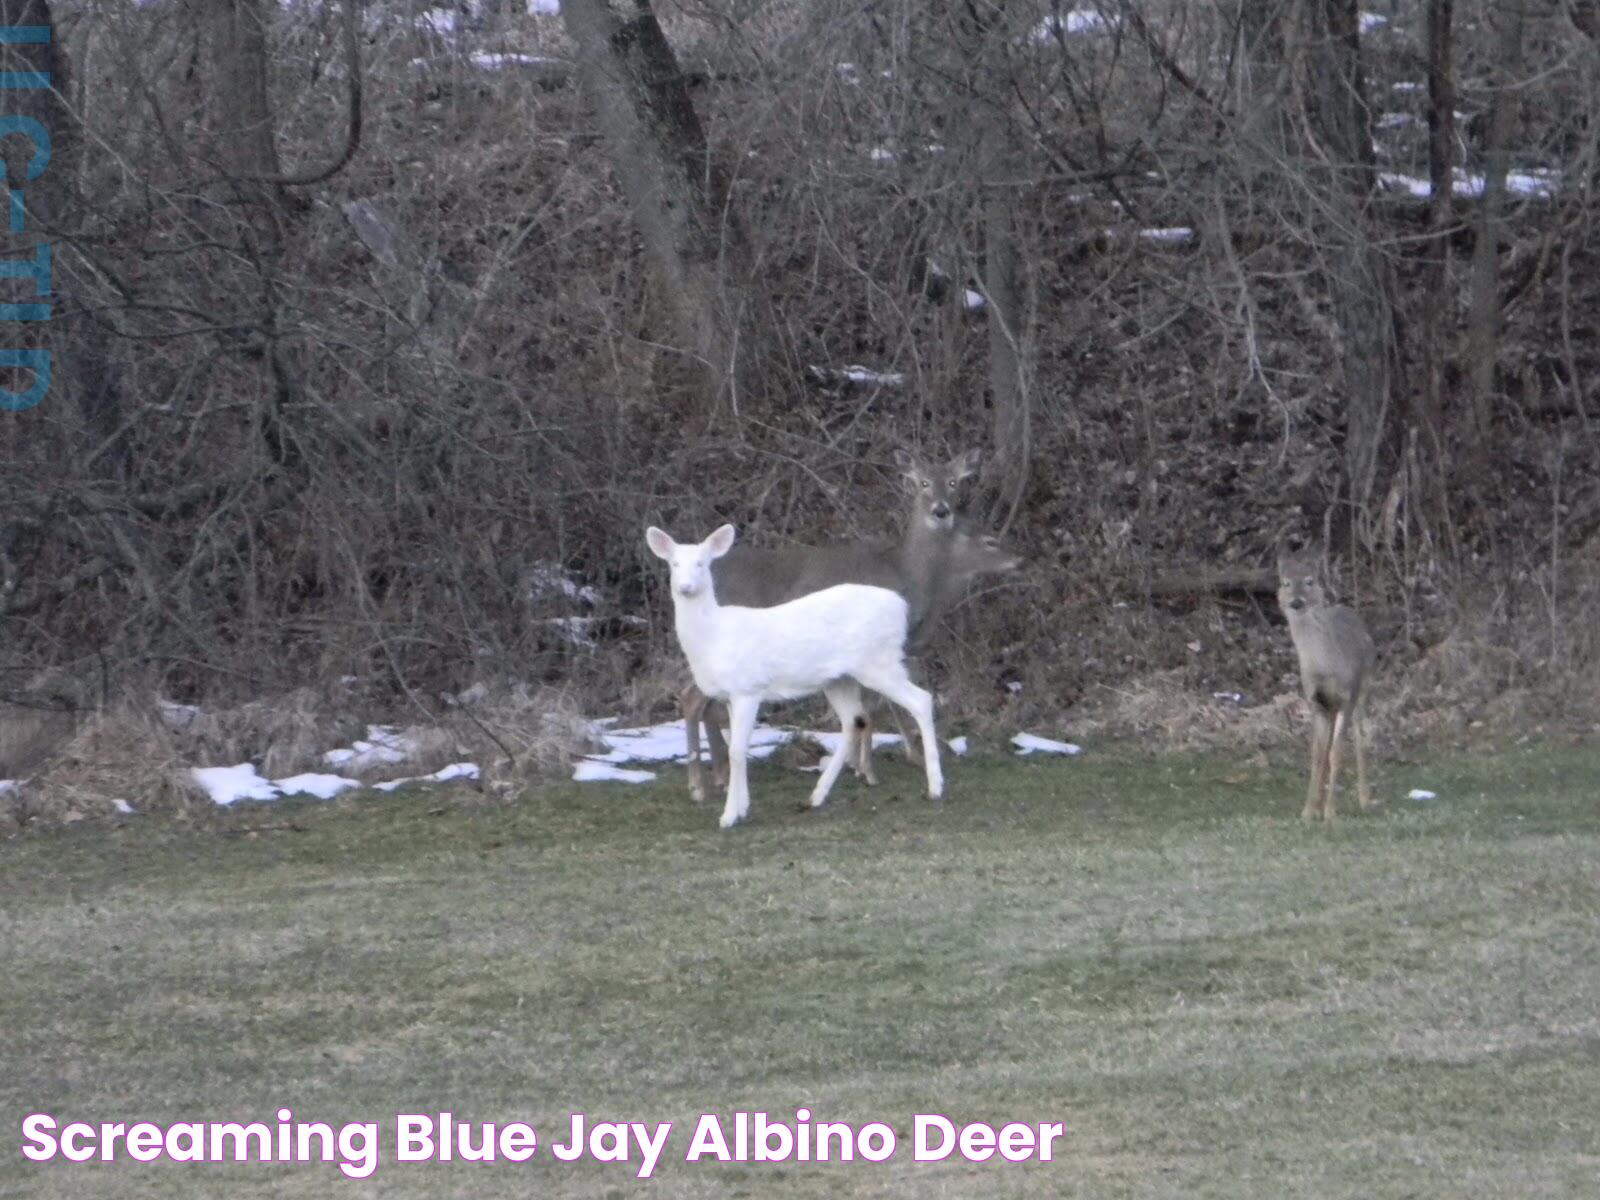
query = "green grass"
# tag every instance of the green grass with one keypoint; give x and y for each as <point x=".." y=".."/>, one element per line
<point x="1216" y="999"/>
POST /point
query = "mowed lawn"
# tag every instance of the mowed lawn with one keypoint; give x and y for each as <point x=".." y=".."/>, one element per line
<point x="1213" y="998"/>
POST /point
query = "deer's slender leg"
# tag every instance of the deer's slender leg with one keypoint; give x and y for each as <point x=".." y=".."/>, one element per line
<point x="1358" y="720"/>
<point x="1321" y="727"/>
<point x="693" y="705"/>
<point x="1330" y="797"/>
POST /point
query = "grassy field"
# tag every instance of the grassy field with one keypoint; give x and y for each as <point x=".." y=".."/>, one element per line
<point x="1215" y="999"/>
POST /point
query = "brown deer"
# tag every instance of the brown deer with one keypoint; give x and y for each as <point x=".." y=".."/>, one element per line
<point x="934" y="561"/>
<point x="1336" y="655"/>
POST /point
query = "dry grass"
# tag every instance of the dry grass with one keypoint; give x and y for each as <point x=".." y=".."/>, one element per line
<point x="124" y="753"/>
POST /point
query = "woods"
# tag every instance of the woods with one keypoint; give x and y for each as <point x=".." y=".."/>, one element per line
<point x="364" y="315"/>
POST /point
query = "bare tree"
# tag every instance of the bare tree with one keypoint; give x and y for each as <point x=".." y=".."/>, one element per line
<point x="678" y="193"/>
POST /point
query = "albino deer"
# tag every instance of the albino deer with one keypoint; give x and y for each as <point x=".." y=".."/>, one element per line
<point x="930" y="566"/>
<point x="835" y="641"/>
<point x="1336" y="656"/>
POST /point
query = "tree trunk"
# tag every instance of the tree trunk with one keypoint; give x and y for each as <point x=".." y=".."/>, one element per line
<point x="241" y="129"/>
<point x="678" y="195"/>
<point x="1483" y="319"/>
<point x="1429" y="420"/>
<point x="56" y="325"/>
<point x="1360" y="281"/>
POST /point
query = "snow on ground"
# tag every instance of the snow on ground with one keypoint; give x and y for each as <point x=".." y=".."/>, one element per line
<point x="323" y="787"/>
<point x="384" y="746"/>
<point x="1079" y="20"/>
<point x="1536" y="183"/>
<point x="1028" y="743"/>
<point x="228" y="785"/>
<point x="1421" y="794"/>
<point x="7" y="785"/>
<point x="460" y="770"/>
<point x="589" y="771"/>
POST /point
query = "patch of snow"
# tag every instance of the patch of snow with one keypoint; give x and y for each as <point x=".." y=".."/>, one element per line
<point x="859" y="374"/>
<point x="958" y="745"/>
<point x="547" y="578"/>
<point x="1027" y="743"/>
<point x="461" y="770"/>
<point x="323" y="787"/>
<point x="973" y="300"/>
<point x="176" y="716"/>
<point x="1396" y="120"/>
<point x="829" y="741"/>
<point x="384" y="746"/>
<point x="588" y="771"/>
<point x="543" y="8"/>
<point x="1536" y="183"/>
<point x="1014" y="687"/>
<point x="1176" y="234"/>
<point x="1421" y="794"/>
<point x="1230" y="697"/>
<point x="1368" y="21"/>
<point x="441" y="21"/>
<point x="1078" y="20"/>
<point x="228" y="785"/>
<point x="122" y="806"/>
<point x="10" y="785"/>
<point x="1405" y="86"/>
<point x="485" y="61"/>
<point x="880" y="154"/>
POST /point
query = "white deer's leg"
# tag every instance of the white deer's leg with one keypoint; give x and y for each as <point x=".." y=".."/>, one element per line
<point x="897" y="686"/>
<point x="741" y="721"/>
<point x="845" y="697"/>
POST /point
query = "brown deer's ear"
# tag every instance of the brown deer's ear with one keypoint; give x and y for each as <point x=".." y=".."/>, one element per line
<point x="966" y="465"/>
<point x="904" y="459"/>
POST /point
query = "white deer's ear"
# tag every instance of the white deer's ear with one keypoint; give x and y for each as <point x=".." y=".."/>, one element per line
<point x="660" y="544"/>
<point x="720" y="542"/>
<point x="967" y="464"/>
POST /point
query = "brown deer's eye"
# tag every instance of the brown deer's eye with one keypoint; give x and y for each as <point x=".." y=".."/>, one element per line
<point x="926" y="484"/>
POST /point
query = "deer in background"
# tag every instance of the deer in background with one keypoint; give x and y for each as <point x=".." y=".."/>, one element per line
<point x="931" y="565"/>
<point x="1336" y="655"/>
<point x="849" y="633"/>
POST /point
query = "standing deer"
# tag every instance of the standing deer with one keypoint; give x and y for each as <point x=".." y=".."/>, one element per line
<point x="930" y="566"/>
<point x="1336" y="655"/>
<point x="849" y="633"/>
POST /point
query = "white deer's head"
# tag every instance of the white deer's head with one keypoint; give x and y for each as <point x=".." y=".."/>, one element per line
<point x="690" y="561"/>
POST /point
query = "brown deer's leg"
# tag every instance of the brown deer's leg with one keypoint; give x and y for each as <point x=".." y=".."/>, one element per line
<point x="693" y="706"/>
<point x="1321" y="727"/>
<point x="715" y="717"/>
<point x="863" y="748"/>
<point x="1330" y="799"/>
<point x="1358" y="731"/>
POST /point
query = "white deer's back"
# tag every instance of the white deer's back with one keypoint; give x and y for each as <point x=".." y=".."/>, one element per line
<point x="792" y="649"/>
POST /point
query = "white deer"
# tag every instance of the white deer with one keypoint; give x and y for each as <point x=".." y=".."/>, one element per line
<point x="834" y="641"/>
